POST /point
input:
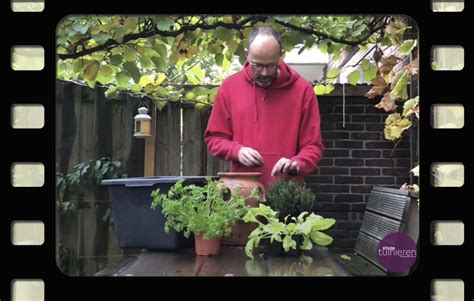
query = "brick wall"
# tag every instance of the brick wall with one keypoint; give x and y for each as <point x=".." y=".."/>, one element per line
<point x="357" y="157"/>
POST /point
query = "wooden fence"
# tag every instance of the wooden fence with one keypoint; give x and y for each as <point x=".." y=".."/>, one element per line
<point x="88" y="127"/>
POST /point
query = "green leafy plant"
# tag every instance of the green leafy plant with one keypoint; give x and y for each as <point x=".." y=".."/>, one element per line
<point x="289" y="198"/>
<point x="307" y="225"/>
<point x="85" y="176"/>
<point x="200" y="210"/>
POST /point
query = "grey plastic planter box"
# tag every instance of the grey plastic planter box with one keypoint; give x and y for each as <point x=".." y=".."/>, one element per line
<point x="137" y="225"/>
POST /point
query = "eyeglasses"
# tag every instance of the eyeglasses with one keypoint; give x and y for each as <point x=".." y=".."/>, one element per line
<point x="259" y="67"/>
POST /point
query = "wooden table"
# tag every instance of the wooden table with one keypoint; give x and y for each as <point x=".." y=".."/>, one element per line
<point x="231" y="261"/>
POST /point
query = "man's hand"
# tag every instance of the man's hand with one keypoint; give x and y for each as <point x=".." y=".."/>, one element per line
<point x="250" y="157"/>
<point x="285" y="166"/>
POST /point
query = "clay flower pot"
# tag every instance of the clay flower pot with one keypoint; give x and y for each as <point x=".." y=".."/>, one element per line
<point x="245" y="182"/>
<point x="206" y="247"/>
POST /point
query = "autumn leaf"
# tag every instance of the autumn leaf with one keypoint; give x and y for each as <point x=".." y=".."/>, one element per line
<point x="378" y="53"/>
<point x="394" y="32"/>
<point x="392" y="118"/>
<point x="345" y="257"/>
<point x="387" y="64"/>
<point x="394" y="27"/>
<point x="388" y="77"/>
<point x="378" y="87"/>
<point x="414" y="67"/>
<point x="387" y="104"/>
<point x="395" y="125"/>
<point x="411" y="107"/>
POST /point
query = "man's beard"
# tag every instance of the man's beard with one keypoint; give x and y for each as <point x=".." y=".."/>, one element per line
<point x="265" y="81"/>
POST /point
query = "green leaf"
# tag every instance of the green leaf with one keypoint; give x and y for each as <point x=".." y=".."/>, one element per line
<point x="200" y="91"/>
<point x="232" y="46"/>
<point x="105" y="75"/>
<point x="219" y="58"/>
<point x="161" y="92"/>
<point x="365" y="64"/>
<point x="290" y="39"/>
<point x="197" y="71"/>
<point x="101" y="38"/>
<point x="407" y="46"/>
<point x="323" y="224"/>
<point x="307" y="244"/>
<point x="129" y="54"/>
<point x="400" y="90"/>
<point x="145" y="62"/>
<point x="363" y="47"/>
<point x="158" y="103"/>
<point x="319" y="90"/>
<point x="162" y="50"/>
<point x="123" y="79"/>
<point x="130" y="24"/>
<point x="91" y="83"/>
<point x="77" y="65"/>
<point x="296" y="21"/>
<point x="223" y="34"/>
<point x="63" y="67"/>
<point x="321" y="238"/>
<point x="136" y="88"/>
<point x="106" y="70"/>
<point x="91" y="70"/>
<point x="354" y="77"/>
<point x="395" y="80"/>
<point x="323" y="46"/>
<point x="288" y="243"/>
<point x="159" y="63"/>
<point x="116" y="59"/>
<point x="82" y="28"/>
<point x="119" y="34"/>
<point x="145" y="80"/>
<point x="371" y="72"/>
<point x="410" y="104"/>
<point x="249" y="248"/>
<point x="215" y="49"/>
<point x="133" y="71"/>
<point x="164" y="23"/>
<point x="333" y="73"/>
<point x="328" y="89"/>
<point x="386" y="41"/>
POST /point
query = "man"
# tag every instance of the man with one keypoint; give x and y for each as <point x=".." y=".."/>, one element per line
<point x="266" y="117"/>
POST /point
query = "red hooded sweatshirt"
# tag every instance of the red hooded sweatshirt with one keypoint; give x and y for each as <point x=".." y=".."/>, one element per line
<point x="279" y="121"/>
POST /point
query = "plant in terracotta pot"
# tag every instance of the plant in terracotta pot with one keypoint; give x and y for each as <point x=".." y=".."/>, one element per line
<point x="307" y="225"/>
<point x="202" y="211"/>
<point x="248" y="185"/>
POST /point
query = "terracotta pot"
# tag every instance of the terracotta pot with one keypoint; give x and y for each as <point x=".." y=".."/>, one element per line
<point x="206" y="247"/>
<point x="245" y="182"/>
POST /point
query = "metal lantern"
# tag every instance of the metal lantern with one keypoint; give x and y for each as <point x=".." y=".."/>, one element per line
<point x="142" y="120"/>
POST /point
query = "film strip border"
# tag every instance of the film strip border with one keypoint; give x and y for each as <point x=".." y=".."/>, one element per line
<point x="447" y="230"/>
<point x="29" y="236"/>
<point x="27" y="181"/>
